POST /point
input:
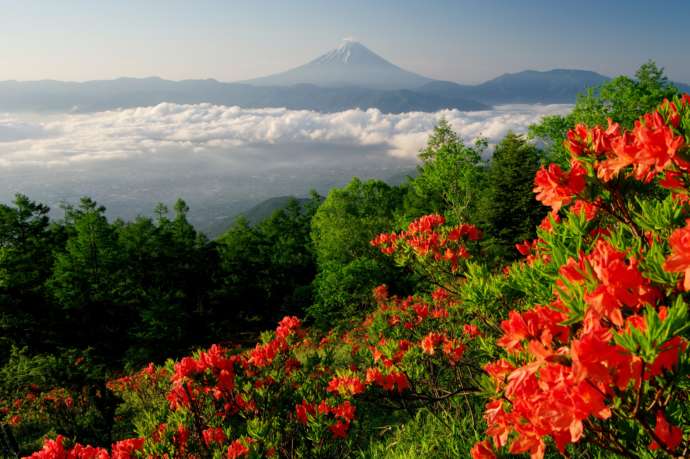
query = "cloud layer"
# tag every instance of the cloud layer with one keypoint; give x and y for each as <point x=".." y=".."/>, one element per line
<point x="205" y="128"/>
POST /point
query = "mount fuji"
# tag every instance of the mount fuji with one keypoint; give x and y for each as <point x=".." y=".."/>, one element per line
<point x="348" y="77"/>
<point x="350" y="65"/>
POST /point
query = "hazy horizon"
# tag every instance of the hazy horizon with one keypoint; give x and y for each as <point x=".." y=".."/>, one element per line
<point x="462" y="41"/>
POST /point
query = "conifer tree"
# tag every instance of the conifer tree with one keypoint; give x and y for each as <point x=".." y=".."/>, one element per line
<point x="27" y="241"/>
<point x="449" y="178"/>
<point x="508" y="211"/>
<point x="89" y="282"/>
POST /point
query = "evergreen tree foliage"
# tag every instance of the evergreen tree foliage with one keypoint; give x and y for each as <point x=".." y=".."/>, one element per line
<point x="266" y="269"/>
<point x="348" y="266"/>
<point x="27" y="241"/>
<point x="89" y="283"/>
<point x="508" y="211"/>
<point x="449" y="179"/>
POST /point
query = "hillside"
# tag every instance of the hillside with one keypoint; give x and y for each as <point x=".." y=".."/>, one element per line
<point x="266" y="208"/>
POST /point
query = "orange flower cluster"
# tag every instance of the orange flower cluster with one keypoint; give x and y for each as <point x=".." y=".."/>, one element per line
<point x="567" y="363"/>
<point x="55" y="449"/>
<point x="556" y="188"/>
<point x="424" y="239"/>
<point x="679" y="260"/>
<point x="651" y="147"/>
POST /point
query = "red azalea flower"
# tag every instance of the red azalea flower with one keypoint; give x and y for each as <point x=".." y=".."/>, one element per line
<point x="346" y="385"/>
<point x="482" y="450"/>
<point x="126" y="449"/>
<point x="547" y="223"/>
<point x="556" y="188"/>
<point x="679" y="260"/>
<point x="287" y="326"/>
<point x="471" y="330"/>
<point x="577" y="140"/>
<point x="673" y="180"/>
<point x="669" y="434"/>
<point x="213" y="435"/>
<point x="589" y="209"/>
<point x="430" y="341"/>
<point x="303" y="411"/>
<point x="339" y="429"/>
<point x="238" y="448"/>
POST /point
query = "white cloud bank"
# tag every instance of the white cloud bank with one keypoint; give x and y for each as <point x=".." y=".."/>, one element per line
<point x="167" y="128"/>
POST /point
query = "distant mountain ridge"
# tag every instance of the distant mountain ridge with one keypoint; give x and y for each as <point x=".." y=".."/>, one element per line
<point x="350" y="76"/>
<point x="102" y="95"/>
<point x="529" y="86"/>
<point x="351" y="64"/>
<point x="268" y="207"/>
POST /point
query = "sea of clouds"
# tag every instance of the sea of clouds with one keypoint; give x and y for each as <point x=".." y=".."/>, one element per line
<point x="148" y="132"/>
<point x="221" y="160"/>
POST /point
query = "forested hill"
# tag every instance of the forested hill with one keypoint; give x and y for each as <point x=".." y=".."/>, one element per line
<point x="255" y="214"/>
<point x="535" y="303"/>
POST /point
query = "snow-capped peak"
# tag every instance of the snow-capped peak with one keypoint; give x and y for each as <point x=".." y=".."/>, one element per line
<point x="349" y="51"/>
<point x="350" y="64"/>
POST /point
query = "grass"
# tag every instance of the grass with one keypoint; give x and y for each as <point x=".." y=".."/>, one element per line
<point x="428" y="434"/>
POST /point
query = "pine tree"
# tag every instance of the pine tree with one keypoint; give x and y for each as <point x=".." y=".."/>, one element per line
<point x="89" y="281"/>
<point x="27" y="242"/>
<point x="508" y="211"/>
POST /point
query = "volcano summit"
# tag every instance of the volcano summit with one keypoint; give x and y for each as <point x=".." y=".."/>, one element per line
<point x="351" y="64"/>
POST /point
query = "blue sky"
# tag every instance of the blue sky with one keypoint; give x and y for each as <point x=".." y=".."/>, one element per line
<point x="462" y="40"/>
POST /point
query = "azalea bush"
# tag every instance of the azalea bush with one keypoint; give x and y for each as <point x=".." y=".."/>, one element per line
<point x="302" y="394"/>
<point x="579" y="349"/>
<point x="59" y="395"/>
<point x="602" y="358"/>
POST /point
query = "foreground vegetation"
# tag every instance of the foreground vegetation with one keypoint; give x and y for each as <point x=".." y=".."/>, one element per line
<point x="411" y="326"/>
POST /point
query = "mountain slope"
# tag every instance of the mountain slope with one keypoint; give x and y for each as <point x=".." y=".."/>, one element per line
<point x="530" y="86"/>
<point x="352" y="64"/>
<point x="254" y="214"/>
<point x="267" y="208"/>
<point x="552" y="86"/>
